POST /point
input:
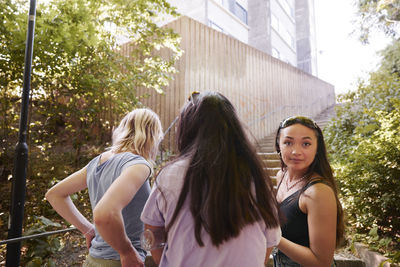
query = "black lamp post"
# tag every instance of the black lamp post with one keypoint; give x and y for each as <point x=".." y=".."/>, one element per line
<point x="21" y="152"/>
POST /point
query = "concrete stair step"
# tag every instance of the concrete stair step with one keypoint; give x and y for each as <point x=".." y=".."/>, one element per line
<point x="272" y="145"/>
<point x="267" y="143"/>
<point x="268" y="155"/>
<point x="272" y="171"/>
<point x="267" y="148"/>
<point x="269" y="151"/>
<point x="272" y="163"/>
<point x="348" y="261"/>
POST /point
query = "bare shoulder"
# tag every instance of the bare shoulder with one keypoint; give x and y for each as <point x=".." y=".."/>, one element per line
<point x="137" y="170"/>
<point x="319" y="195"/>
<point x="319" y="189"/>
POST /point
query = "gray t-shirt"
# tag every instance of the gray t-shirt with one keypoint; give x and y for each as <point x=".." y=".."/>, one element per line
<point x="99" y="179"/>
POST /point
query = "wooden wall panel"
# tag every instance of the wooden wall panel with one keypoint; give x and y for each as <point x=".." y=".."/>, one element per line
<point x="263" y="89"/>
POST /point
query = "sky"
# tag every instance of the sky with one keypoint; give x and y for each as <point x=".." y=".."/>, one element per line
<point x="341" y="58"/>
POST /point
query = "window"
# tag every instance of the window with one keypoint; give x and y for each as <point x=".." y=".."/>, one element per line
<point x="288" y="38"/>
<point x="274" y="22"/>
<point x="215" y="26"/>
<point x="275" y="52"/>
<point x="223" y="3"/>
<point x="240" y="12"/>
<point x="287" y="7"/>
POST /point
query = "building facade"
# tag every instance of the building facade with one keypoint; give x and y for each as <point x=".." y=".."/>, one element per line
<point x="284" y="29"/>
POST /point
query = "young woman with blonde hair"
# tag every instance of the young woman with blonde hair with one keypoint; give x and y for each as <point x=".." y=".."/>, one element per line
<point x="117" y="182"/>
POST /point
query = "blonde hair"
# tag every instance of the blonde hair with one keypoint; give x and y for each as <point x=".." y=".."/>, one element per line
<point x="139" y="132"/>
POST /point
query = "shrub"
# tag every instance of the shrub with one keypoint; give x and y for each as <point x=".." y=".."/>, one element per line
<point x="364" y="144"/>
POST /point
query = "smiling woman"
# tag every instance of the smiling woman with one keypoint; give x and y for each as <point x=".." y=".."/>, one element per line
<point x="312" y="224"/>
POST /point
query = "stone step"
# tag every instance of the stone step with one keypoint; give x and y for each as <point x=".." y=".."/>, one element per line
<point x="267" y="144"/>
<point x="269" y="141"/>
<point x="268" y="155"/>
<point x="270" y="148"/>
<point x="272" y="171"/>
<point x="272" y="163"/>
<point x="371" y="258"/>
<point x="348" y="261"/>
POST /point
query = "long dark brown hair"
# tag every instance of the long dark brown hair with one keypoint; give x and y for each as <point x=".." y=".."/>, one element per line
<point x="320" y="165"/>
<point x="225" y="181"/>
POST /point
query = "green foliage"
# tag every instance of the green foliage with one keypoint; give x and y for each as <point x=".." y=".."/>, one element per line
<point x="81" y="84"/>
<point x="40" y="249"/>
<point x="391" y="58"/>
<point x="383" y="15"/>
<point x="365" y="150"/>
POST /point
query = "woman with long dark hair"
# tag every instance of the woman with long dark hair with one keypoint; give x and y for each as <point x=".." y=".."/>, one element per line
<point x="312" y="216"/>
<point x="214" y="201"/>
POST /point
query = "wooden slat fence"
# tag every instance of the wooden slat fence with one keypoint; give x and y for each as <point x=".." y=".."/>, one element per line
<point x="263" y="89"/>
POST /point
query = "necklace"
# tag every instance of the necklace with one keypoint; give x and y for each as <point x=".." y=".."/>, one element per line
<point x="295" y="183"/>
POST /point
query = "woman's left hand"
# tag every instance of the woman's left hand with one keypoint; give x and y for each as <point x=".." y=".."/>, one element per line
<point x="89" y="237"/>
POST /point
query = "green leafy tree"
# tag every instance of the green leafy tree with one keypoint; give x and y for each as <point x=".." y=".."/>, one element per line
<point x="81" y="82"/>
<point x="365" y="150"/>
<point x="391" y="58"/>
<point x="378" y="14"/>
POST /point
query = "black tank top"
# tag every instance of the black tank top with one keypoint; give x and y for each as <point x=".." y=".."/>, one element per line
<point x="294" y="223"/>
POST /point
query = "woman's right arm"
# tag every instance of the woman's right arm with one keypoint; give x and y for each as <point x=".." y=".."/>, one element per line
<point x="156" y="253"/>
<point x="59" y="198"/>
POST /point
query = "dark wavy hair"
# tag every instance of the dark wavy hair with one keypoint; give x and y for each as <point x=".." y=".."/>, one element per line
<point x="320" y="165"/>
<point x="225" y="181"/>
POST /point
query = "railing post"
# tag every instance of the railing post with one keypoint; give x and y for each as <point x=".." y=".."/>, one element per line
<point x="21" y="150"/>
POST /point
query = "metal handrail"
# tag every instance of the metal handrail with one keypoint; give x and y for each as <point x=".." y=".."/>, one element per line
<point x="170" y="126"/>
<point x="18" y="239"/>
<point x="165" y="134"/>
